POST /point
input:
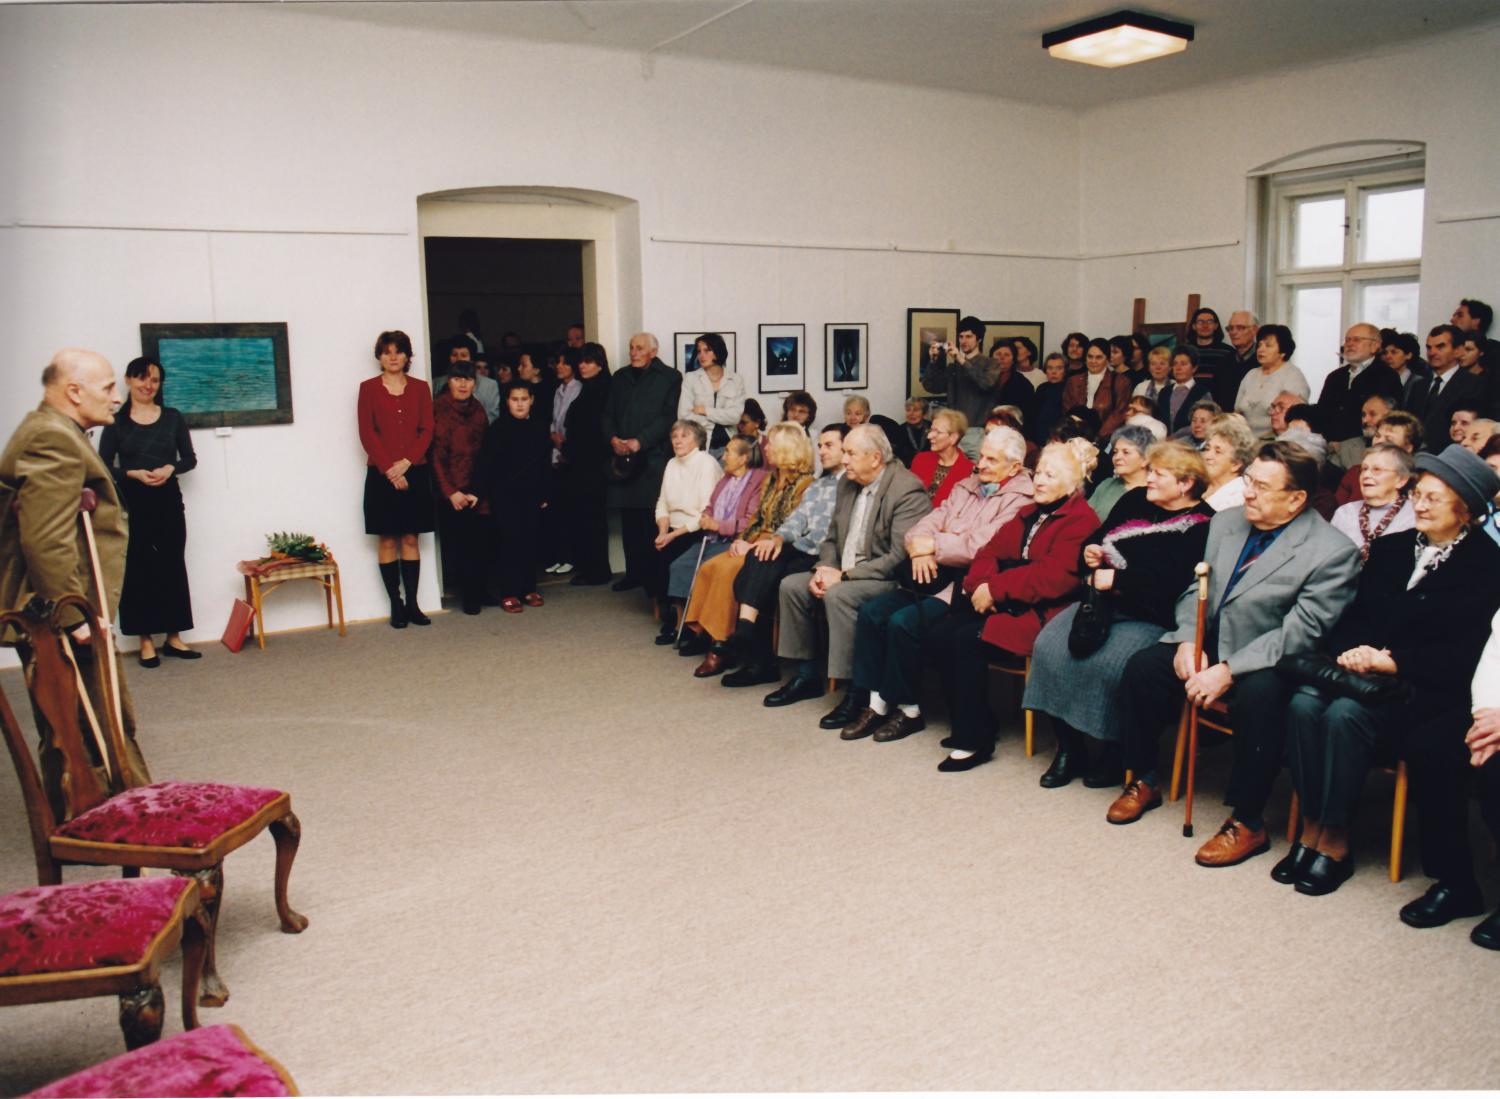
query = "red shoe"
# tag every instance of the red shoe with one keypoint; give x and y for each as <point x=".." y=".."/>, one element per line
<point x="511" y="605"/>
<point x="534" y="599"/>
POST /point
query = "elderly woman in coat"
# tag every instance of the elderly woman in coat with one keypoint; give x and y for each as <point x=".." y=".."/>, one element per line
<point x="892" y="631"/>
<point x="1024" y="576"/>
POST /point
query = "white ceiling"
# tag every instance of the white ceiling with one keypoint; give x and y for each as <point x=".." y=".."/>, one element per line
<point x="991" y="47"/>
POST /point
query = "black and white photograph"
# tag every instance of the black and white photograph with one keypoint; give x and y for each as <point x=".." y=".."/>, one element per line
<point x="781" y="353"/>
<point x="845" y="356"/>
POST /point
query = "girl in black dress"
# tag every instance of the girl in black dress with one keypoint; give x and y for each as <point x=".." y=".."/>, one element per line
<point x="513" y="469"/>
<point x="146" y="448"/>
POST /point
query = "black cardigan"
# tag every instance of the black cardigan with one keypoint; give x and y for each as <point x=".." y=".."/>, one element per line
<point x="1159" y="550"/>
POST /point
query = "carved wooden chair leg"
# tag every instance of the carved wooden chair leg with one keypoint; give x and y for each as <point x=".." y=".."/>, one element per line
<point x="141" y="1015"/>
<point x="287" y="832"/>
<point x="194" y="948"/>
<point x="212" y="990"/>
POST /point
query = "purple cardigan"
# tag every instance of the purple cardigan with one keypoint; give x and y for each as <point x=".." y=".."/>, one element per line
<point x="749" y="501"/>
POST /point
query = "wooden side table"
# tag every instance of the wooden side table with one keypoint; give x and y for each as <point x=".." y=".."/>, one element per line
<point x="258" y="585"/>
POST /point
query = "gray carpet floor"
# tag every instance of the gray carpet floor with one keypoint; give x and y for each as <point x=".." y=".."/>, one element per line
<point x="538" y="856"/>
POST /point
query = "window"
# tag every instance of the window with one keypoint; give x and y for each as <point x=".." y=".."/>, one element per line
<point x="1345" y="245"/>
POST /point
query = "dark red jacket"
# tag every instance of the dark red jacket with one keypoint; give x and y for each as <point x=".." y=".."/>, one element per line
<point x="458" y="429"/>
<point x="1109" y="402"/>
<point x="1029" y="593"/>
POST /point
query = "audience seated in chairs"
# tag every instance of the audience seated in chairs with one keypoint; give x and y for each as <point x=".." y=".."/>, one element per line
<point x="1426" y="625"/>
<point x="1399" y="429"/>
<point x="1019" y="580"/>
<point x="686" y="487"/>
<point x="1384" y="482"/>
<point x="1142" y="557"/>
<point x="711" y="611"/>
<point x="1279" y="578"/>
<point x="892" y="631"/>
<point x="1127" y="454"/>
<point x="731" y="509"/>
<point x="877" y="503"/>
<point x="1228" y="447"/>
<point x="793" y="548"/>
<point x="944" y="465"/>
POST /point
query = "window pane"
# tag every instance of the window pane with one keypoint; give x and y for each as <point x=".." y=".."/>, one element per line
<point x="1391" y="226"/>
<point x="1389" y="304"/>
<point x="1318" y="231"/>
<point x="1317" y="327"/>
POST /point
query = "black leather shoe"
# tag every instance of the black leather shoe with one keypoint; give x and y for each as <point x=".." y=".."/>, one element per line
<point x="846" y="711"/>
<point x="947" y="742"/>
<point x="180" y="654"/>
<point x="1486" y="932"/>
<point x="796" y="689"/>
<point x="1324" y="874"/>
<point x="1064" y="769"/>
<point x="1108" y="770"/>
<point x="753" y="675"/>
<point x="149" y="661"/>
<point x="898" y="727"/>
<point x="1440" y="905"/>
<point x="625" y="583"/>
<point x="694" y="643"/>
<point x="1292" y="864"/>
<point x="951" y="765"/>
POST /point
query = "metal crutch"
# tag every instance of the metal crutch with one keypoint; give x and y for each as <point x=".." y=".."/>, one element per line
<point x="682" y="618"/>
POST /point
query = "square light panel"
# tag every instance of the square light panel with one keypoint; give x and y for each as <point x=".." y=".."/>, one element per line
<point x="1119" y="39"/>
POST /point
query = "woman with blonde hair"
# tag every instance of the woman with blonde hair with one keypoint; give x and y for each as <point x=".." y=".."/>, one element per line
<point x="945" y="465"/>
<point x="712" y="610"/>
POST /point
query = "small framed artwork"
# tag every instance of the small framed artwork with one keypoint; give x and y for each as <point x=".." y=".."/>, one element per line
<point x="844" y="356"/>
<point x="781" y="355"/>
<point x="685" y="350"/>
<point x="1001" y="330"/>
<point x="925" y="327"/>
<point x="223" y="375"/>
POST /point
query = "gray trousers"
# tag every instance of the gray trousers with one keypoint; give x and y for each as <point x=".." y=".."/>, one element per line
<point x="799" y="636"/>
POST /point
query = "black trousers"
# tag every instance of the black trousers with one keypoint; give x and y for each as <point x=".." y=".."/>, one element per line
<point x="517" y="533"/>
<point x="1331" y="745"/>
<point x="965" y="665"/>
<point x="890" y="644"/>
<point x="1437" y="764"/>
<point x="655" y="581"/>
<point x="155" y="596"/>
<point x="556" y="532"/>
<point x="759" y="582"/>
<point x="587" y="524"/>
<point x="637" y="532"/>
<point x="466" y="539"/>
<point x="1257" y="713"/>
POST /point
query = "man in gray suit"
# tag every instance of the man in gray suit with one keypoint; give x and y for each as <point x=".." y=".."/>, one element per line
<point x="1279" y="579"/>
<point x="878" y="501"/>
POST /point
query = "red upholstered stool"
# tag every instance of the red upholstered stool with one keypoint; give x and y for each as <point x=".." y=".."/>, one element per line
<point x="101" y="938"/>
<point x="215" y="1060"/>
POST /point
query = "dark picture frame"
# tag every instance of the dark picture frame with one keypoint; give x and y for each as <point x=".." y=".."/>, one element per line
<point x="223" y="375"/>
<point x="1035" y="331"/>
<point x="923" y="327"/>
<point x="846" y="354"/>
<point x="683" y="343"/>
<point x="783" y="357"/>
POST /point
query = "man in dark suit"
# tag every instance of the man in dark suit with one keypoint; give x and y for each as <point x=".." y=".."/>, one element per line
<point x="1450" y="387"/>
<point x="1279" y="577"/>
<point x="1175" y="405"/>
<point x="1345" y="390"/>
<point x="878" y="502"/>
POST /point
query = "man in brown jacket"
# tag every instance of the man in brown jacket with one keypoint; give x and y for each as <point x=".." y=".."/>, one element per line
<point x="45" y="468"/>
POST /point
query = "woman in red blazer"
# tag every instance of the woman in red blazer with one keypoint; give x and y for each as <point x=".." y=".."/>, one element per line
<point x="1111" y="391"/>
<point x="942" y="467"/>
<point x="1027" y="573"/>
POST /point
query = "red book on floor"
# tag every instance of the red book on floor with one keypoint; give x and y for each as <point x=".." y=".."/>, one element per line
<point x="240" y="617"/>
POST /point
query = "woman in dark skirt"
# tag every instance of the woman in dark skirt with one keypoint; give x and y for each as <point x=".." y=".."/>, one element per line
<point x="395" y="428"/>
<point x="581" y="473"/>
<point x="513" y="467"/>
<point x="1143" y="556"/>
<point x="147" y="448"/>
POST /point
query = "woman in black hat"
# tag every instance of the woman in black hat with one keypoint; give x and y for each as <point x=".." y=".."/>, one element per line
<point x="1421" y="614"/>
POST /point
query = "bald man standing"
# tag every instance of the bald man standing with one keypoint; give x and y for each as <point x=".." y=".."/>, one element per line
<point x="45" y="468"/>
<point x="1346" y="389"/>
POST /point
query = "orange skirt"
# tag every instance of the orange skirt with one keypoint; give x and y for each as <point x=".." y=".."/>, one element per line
<point x="713" y="608"/>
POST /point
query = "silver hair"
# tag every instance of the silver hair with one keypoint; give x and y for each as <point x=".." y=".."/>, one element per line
<point x="917" y="402"/>
<point x="869" y="437"/>
<point x="1405" y="463"/>
<point x="695" y="427"/>
<point x="1010" y="441"/>
<point x="655" y="343"/>
<point x="857" y="401"/>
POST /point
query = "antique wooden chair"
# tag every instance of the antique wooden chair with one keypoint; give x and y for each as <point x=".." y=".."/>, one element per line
<point x="103" y="938"/>
<point x="86" y="807"/>
<point x="213" y="1060"/>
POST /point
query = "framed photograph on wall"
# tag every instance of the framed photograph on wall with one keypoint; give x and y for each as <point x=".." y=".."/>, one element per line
<point x="782" y="350"/>
<point x="925" y="327"/>
<point x="845" y="356"/>
<point x="685" y="356"/>
<point x="1032" y="330"/>
<point x="223" y="375"/>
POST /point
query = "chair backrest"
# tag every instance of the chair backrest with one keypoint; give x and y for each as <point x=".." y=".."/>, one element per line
<point x="74" y="770"/>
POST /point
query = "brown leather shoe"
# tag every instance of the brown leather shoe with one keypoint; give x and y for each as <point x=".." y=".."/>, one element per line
<point x="863" y="725"/>
<point x="898" y="725"/>
<point x="1138" y="799"/>
<point x="1233" y="844"/>
<point x="712" y="665"/>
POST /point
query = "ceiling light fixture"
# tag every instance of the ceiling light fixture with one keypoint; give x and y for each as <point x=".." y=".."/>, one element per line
<point x="1123" y="38"/>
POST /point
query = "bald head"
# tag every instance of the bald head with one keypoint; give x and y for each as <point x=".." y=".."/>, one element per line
<point x="81" y="385"/>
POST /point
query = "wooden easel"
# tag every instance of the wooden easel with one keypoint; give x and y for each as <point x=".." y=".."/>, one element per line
<point x="1178" y="331"/>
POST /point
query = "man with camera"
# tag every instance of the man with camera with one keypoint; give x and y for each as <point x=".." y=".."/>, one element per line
<point x="964" y="373"/>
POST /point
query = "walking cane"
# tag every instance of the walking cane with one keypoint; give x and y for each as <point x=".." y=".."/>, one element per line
<point x="682" y="618"/>
<point x="87" y="502"/>
<point x="1201" y="570"/>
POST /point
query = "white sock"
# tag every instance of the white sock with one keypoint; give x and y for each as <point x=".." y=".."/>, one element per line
<point x="878" y="704"/>
<point x="911" y="710"/>
<point x="959" y="753"/>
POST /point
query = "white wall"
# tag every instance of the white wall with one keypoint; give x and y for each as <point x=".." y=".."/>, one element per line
<point x="262" y="163"/>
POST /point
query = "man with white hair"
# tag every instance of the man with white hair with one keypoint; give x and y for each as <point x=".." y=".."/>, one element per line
<point x="45" y="468"/>
<point x="878" y="503"/>
<point x="1240" y="331"/>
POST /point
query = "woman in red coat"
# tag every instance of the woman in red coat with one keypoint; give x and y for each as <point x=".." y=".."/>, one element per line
<point x="942" y="467"/>
<point x="1100" y="388"/>
<point x="1027" y="573"/>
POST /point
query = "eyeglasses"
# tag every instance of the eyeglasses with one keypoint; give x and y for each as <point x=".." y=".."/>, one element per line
<point x="1258" y="487"/>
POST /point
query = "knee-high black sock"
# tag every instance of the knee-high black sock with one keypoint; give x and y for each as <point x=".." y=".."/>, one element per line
<point x="390" y="576"/>
<point x="411" y="572"/>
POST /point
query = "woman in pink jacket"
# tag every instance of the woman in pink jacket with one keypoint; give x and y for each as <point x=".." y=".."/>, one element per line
<point x="891" y="634"/>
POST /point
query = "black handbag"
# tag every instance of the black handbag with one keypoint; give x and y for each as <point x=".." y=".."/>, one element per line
<point x="1326" y="674"/>
<point x="1091" y="623"/>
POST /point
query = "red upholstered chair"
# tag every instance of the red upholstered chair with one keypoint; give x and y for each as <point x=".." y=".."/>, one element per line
<point x="92" y="810"/>
<point x="214" y="1060"/>
<point x="103" y="938"/>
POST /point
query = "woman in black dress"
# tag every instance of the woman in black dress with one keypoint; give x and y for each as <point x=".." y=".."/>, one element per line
<point x="581" y="473"/>
<point x="513" y="466"/>
<point x="146" y="448"/>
